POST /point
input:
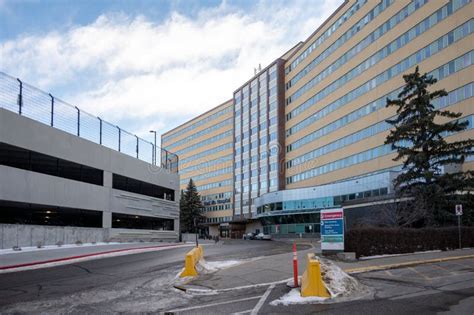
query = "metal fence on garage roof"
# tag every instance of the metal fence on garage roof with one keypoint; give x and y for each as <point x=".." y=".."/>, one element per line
<point x="31" y="102"/>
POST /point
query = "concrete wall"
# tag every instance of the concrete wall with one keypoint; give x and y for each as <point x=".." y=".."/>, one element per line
<point x="30" y="187"/>
<point x="188" y="237"/>
<point x="30" y="235"/>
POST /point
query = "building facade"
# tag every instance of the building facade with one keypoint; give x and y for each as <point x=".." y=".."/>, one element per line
<point x="205" y="149"/>
<point x="63" y="179"/>
<point x="258" y="140"/>
<point x="330" y="126"/>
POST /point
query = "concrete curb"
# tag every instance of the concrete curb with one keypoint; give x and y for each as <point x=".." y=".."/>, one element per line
<point x="43" y="262"/>
<point x="404" y="264"/>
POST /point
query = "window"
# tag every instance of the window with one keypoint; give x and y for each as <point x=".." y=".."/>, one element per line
<point x="46" y="164"/>
<point x="128" y="221"/>
<point x="25" y="213"/>
<point x="142" y="188"/>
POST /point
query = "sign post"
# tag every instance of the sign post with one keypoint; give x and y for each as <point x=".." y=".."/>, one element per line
<point x="332" y="230"/>
<point x="458" y="210"/>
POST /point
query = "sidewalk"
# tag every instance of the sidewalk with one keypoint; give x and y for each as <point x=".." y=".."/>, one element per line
<point x="279" y="268"/>
<point x="48" y="255"/>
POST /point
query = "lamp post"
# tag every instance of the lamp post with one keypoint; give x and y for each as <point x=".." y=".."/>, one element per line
<point x="196" y="222"/>
<point x="154" y="148"/>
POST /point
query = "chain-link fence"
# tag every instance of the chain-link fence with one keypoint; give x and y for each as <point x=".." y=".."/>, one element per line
<point x="38" y="105"/>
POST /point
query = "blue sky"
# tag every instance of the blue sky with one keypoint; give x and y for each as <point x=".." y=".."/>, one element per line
<point x="149" y="64"/>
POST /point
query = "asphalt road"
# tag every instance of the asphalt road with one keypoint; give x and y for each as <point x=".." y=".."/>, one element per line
<point x="143" y="283"/>
<point x="130" y="283"/>
<point x="439" y="288"/>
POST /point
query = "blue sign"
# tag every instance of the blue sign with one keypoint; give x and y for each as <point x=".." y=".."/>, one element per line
<point x="332" y="227"/>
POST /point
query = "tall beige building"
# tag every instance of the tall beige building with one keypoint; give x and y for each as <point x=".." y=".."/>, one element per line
<point x="205" y="149"/>
<point x="330" y="116"/>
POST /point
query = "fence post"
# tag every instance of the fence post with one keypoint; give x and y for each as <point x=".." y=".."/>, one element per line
<point x="137" y="145"/>
<point x="119" y="138"/>
<point x="78" y="122"/>
<point x="20" y="97"/>
<point x="100" y="130"/>
<point x="52" y="110"/>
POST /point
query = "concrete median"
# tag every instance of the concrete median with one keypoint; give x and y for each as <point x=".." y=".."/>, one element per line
<point x="190" y="261"/>
<point x="311" y="282"/>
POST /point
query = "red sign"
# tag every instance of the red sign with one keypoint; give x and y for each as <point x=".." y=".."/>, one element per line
<point x="331" y="215"/>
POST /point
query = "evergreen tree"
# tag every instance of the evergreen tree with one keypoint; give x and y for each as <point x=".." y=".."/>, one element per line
<point x="418" y="137"/>
<point x="190" y="208"/>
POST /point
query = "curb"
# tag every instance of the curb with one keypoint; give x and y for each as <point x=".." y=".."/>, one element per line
<point x="405" y="264"/>
<point x="35" y="263"/>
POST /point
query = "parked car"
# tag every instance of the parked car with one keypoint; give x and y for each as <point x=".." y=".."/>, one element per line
<point x="262" y="236"/>
<point x="249" y="236"/>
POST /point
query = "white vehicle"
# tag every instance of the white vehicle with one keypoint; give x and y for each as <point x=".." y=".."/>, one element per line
<point x="262" y="236"/>
<point x="249" y="236"/>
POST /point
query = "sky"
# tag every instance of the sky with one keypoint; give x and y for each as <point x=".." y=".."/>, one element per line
<point x="149" y="64"/>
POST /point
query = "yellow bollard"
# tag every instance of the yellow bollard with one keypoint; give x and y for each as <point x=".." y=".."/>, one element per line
<point x="190" y="261"/>
<point x="311" y="282"/>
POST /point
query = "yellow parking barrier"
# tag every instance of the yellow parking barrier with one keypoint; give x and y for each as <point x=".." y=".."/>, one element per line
<point x="311" y="282"/>
<point x="190" y="261"/>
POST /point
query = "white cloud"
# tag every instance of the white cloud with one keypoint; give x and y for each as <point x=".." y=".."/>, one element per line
<point x="161" y="74"/>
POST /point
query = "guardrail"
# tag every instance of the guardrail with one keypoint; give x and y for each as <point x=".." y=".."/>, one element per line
<point x="31" y="102"/>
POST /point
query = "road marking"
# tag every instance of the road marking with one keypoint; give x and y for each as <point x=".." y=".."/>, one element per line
<point x="214" y="304"/>
<point x="216" y="291"/>
<point x="444" y="269"/>
<point x="86" y="257"/>
<point x="419" y="273"/>
<point x="262" y="300"/>
<point x="243" y="312"/>
<point x="389" y="273"/>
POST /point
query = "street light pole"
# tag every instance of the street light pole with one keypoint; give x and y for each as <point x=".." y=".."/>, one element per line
<point x="154" y="147"/>
<point x="195" y="231"/>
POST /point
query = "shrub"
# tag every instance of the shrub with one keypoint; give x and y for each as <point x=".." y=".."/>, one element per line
<point x="39" y="244"/>
<point x="78" y="243"/>
<point x="371" y="241"/>
<point x="59" y="243"/>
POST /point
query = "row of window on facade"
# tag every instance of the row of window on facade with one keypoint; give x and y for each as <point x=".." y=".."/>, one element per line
<point x="167" y="138"/>
<point x="322" y="202"/>
<point x="255" y="187"/>
<point x="218" y="219"/>
<point x="218" y="207"/>
<point x="256" y="172"/>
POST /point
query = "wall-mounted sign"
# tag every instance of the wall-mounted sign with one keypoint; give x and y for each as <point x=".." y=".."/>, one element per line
<point x="332" y="229"/>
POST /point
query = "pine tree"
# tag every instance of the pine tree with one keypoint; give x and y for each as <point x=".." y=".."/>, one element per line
<point x="419" y="139"/>
<point x="190" y="208"/>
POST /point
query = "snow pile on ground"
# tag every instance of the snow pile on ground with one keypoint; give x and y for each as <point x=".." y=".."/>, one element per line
<point x="213" y="266"/>
<point x="340" y="285"/>
<point x="294" y="297"/>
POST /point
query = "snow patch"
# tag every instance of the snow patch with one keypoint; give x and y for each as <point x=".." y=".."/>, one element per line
<point x="213" y="266"/>
<point x="340" y="285"/>
<point x="394" y="255"/>
<point x="294" y="297"/>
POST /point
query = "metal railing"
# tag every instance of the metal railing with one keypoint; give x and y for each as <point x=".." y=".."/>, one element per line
<point x="28" y="101"/>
